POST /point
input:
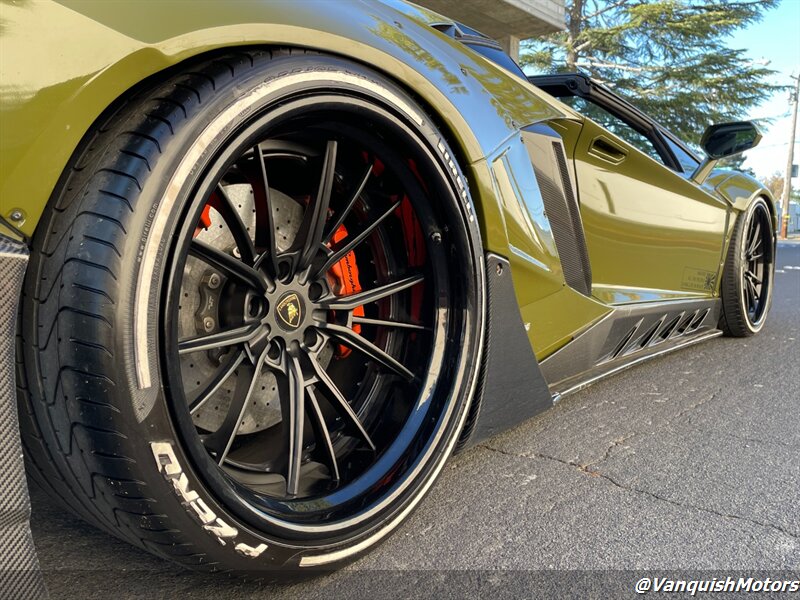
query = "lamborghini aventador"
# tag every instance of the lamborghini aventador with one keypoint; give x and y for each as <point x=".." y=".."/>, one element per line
<point x="282" y="259"/>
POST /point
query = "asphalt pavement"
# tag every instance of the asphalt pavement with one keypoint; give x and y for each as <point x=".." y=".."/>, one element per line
<point x="689" y="461"/>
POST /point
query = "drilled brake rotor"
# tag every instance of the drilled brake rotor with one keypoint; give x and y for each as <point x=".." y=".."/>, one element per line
<point x="199" y="313"/>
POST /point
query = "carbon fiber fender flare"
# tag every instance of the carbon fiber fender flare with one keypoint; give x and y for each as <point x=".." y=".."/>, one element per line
<point x="511" y="388"/>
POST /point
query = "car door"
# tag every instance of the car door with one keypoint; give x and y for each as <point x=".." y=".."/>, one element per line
<point x="652" y="233"/>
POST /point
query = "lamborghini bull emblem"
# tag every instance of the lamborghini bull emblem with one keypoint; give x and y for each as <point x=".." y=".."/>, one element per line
<point x="290" y="311"/>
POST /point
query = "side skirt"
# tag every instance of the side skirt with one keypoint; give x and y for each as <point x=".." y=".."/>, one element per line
<point x="20" y="576"/>
<point x="627" y="336"/>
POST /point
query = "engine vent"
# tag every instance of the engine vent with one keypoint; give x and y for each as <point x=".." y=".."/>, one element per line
<point x="561" y="204"/>
<point x="575" y="216"/>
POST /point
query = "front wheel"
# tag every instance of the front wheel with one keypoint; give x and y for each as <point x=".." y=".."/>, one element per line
<point x="263" y="335"/>
<point x="749" y="271"/>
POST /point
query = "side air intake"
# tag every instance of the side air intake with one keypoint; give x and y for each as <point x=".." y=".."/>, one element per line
<point x="558" y="195"/>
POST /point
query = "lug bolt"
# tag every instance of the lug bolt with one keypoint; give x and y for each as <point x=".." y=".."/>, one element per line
<point x="436" y="237"/>
<point x="310" y="338"/>
<point x="208" y="323"/>
<point x="237" y="253"/>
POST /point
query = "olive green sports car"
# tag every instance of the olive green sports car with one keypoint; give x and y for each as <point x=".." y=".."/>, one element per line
<point x="276" y="261"/>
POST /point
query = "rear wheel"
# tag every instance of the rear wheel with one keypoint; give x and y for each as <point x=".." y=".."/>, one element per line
<point x="259" y="316"/>
<point x="749" y="271"/>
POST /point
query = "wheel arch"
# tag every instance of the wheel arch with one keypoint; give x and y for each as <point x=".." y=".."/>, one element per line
<point x="741" y="190"/>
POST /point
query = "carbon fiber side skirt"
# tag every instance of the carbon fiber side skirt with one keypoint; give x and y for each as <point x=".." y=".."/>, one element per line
<point x="629" y="335"/>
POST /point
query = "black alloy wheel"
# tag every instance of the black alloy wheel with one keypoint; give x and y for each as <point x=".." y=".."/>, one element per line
<point x="757" y="265"/>
<point x="749" y="270"/>
<point x="305" y="385"/>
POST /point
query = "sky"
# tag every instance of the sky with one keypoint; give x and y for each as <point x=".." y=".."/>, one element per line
<point x="776" y="38"/>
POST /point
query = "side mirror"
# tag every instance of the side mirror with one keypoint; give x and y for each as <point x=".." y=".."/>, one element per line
<point x="722" y="140"/>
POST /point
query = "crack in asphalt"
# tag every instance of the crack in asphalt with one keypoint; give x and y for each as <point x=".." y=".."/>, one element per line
<point x="614" y="444"/>
<point x="695" y="406"/>
<point x="584" y="468"/>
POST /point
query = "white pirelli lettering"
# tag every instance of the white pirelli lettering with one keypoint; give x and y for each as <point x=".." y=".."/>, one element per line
<point x="170" y="468"/>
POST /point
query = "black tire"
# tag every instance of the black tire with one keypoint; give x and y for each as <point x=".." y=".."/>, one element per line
<point x="106" y="426"/>
<point x="748" y="273"/>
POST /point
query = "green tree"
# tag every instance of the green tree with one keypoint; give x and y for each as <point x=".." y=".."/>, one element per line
<point x="774" y="183"/>
<point x="669" y="57"/>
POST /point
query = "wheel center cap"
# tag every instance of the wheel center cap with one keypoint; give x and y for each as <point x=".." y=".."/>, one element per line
<point x="289" y="311"/>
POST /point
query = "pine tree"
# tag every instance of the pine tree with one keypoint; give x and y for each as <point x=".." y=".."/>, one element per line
<point x="668" y="57"/>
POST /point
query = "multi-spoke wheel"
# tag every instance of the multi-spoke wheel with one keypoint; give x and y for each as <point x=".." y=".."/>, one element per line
<point x="747" y="279"/>
<point x="281" y="313"/>
<point x="305" y="305"/>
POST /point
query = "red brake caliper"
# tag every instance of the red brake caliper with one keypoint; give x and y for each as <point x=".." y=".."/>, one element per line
<point x="343" y="275"/>
<point x="343" y="278"/>
<point x="205" y="217"/>
<point x="415" y="247"/>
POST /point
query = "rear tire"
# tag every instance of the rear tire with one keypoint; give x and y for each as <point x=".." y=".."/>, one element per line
<point x="749" y="271"/>
<point x="102" y="382"/>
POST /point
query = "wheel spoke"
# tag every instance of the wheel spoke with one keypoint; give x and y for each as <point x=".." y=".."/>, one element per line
<point x="348" y="207"/>
<point x="219" y="339"/>
<point x="321" y="435"/>
<point x="220" y="441"/>
<point x="232" y="267"/>
<point x="749" y="240"/>
<point x="387" y="323"/>
<point x="751" y="294"/>
<point x="340" y="403"/>
<point x="352" y="301"/>
<point x="236" y="226"/>
<point x="296" y="419"/>
<point x="753" y="277"/>
<point x="350" y="338"/>
<point x="754" y="290"/>
<point x="755" y="239"/>
<point x="265" y="233"/>
<point x="221" y="377"/>
<point x="340" y="253"/>
<point x="310" y="233"/>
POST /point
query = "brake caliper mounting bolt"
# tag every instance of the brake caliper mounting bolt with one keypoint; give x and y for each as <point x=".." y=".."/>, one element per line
<point x="16" y="215"/>
<point x="208" y="323"/>
<point x="213" y="281"/>
<point x="237" y="253"/>
<point x="499" y="269"/>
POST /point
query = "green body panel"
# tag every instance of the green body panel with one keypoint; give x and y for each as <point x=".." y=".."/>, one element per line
<point x="651" y="234"/>
<point x="63" y="64"/>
